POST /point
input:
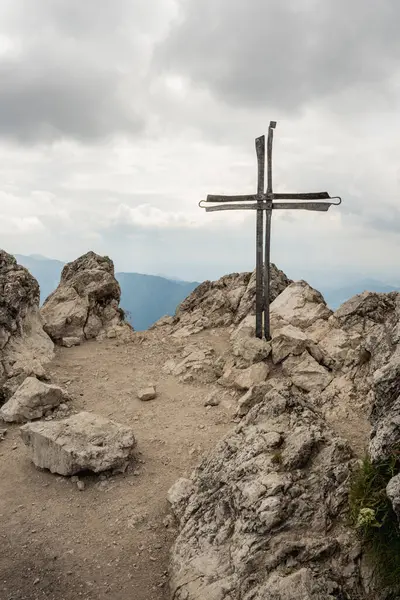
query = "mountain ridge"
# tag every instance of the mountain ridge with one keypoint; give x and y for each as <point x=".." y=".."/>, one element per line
<point x="145" y="298"/>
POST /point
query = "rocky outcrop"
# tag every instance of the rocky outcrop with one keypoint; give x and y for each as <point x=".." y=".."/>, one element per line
<point x="223" y="302"/>
<point x="85" y="305"/>
<point x="25" y="348"/>
<point x="259" y="516"/>
<point x="32" y="400"/>
<point x="264" y="515"/>
<point x="83" y="442"/>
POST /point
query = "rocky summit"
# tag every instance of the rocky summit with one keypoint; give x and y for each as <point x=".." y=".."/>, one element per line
<point x="25" y="349"/>
<point x="194" y="461"/>
<point x="85" y="305"/>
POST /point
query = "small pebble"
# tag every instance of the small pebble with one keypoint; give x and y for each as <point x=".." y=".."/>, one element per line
<point x="80" y="485"/>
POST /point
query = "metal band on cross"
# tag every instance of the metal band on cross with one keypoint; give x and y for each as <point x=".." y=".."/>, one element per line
<point x="264" y="202"/>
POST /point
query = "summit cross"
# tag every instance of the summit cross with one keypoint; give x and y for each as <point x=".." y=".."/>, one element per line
<point x="264" y="202"/>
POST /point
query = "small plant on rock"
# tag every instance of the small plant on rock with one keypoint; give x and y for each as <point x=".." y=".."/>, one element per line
<point x="373" y="517"/>
<point x="277" y="458"/>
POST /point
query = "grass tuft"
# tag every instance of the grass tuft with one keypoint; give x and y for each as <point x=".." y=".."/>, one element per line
<point x="373" y="517"/>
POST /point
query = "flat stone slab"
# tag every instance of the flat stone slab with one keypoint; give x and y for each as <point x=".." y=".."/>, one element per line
<point x="69" y="342"/>
<point x="82" y="442"/>
<point x="32" y="400"/>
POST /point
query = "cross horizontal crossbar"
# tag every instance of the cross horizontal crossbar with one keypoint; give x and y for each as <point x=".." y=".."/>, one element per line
<point x="255" y="197"/>
<point x="320" y="206"/>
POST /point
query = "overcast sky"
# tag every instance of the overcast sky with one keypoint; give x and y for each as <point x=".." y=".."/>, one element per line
<point x="117" y="117"/>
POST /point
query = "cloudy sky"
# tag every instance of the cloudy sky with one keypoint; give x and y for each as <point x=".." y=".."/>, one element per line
<point x="117" y="117"/>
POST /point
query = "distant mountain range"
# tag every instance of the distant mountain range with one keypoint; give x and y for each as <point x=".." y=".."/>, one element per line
<point x="334" y="297"/>
<point x="145" y="298"/>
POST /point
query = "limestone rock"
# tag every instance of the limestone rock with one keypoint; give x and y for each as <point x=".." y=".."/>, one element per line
<point x="385" y="436"/>
<point x="213" y="400"/>
<point x="32" y="400"/>
<point x="255" y="518"/>
<point x="286" y="341"/>
<point x="148" y="393"/>
<point x="250" y="349"/>
<point x="81" y="442"/>
<point x="338" y="347"/>
<point x="252" y="397"/>
<point x="244" y="379"/>
<point x="393" y="493"/>
<point x="69" y="342"/>
<point x="179" y="493"/>
<point x="386" y="382"/>
<point x="197" y="364"/>
<point x="300" y="305"/>
<point x="222" y="303"/>
<point x="25" y="349"/>
<point x="85" y="305"/>
<point x="364" y="309"/>
<point x="306" y="373"/>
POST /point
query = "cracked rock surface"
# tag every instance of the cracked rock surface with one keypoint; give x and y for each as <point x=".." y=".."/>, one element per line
<point x="24" y="347"/>
<point x="85" y="305"/>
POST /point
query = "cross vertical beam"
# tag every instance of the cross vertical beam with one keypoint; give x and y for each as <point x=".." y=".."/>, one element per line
<point x="260" y="150"/>
<point x="267" y="248"/>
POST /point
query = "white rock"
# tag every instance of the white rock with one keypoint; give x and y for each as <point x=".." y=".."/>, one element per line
<point x="337" y="344"/>
<point x="251" y="349"/>
<point x="286" y="341"/>
<point x="247" y="327"/>
<point x="300" y="305"/>
<point x="253" y="375"/>
<point x="69" y="342"/>
<point x="32" y="400"/>
<point x="82" y="442"/>
<point x="306" y="373"/>
<point x="148" y="393"/>
<point x="213" y="400"/>
<point x="178" y="494"/>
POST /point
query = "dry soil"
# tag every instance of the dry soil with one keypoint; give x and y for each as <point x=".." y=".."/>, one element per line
<point x="111" y="540"/>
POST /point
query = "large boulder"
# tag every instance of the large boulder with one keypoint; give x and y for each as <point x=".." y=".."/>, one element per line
<point x="85" y="305"/>
<point x="262" y="515"/>
<point x="300" y="305"/>
<point x="83" y="442"/>
<point x="25" y="348"/>
<point x="32" y="400"/>
<point x="306" y="373"/>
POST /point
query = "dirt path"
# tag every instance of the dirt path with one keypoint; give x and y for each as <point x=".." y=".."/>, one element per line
<point x="110" y="540"/>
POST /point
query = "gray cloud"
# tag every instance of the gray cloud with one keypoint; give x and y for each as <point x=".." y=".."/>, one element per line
<point x="127" y="114"/>
<point x="62" y="101"/>
<point x="75" y="69"/>
<point x="284" y="54"/>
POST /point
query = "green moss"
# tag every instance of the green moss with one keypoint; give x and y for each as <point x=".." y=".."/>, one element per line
<point x="373" y="517"/>
<point x="276" y="458"/>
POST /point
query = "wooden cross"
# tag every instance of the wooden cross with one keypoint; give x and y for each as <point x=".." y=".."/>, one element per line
<point x="263" y="202"/>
